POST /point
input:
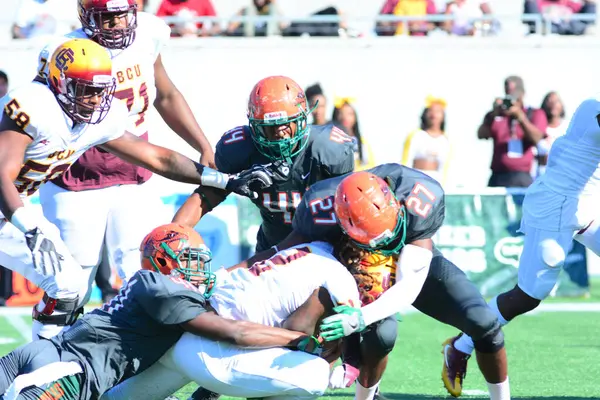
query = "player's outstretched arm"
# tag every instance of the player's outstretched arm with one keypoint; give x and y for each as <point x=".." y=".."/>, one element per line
<point x="178" y="167"/>
<point x="175" y="111"/>
<point x="13" y="143"/>
<point x="199" y="203"/>
<point x="243" y="333"/>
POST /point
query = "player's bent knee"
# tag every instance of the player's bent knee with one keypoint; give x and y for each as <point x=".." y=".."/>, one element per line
<point x="552" y="253"/>
<point x="315" y="384"/>
<point x="380" y="338"/>
<point x="491" y="343"/>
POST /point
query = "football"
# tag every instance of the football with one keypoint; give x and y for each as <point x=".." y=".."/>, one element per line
<point x="383" y="271"/>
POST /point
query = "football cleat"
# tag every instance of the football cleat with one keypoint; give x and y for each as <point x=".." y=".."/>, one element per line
<point x="454" y="369"/>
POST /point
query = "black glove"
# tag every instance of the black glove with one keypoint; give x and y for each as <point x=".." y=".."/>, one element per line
<point x="279" y="170"/>
<point x="46" y="260"/>
<point x="248" y="182"/>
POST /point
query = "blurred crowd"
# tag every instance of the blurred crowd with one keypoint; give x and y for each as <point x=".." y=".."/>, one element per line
<point x="444" y="17"/>
<point x="521" y="134"/>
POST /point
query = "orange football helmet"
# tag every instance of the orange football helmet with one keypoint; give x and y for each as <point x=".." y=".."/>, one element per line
<point x="174" y="249"/>
<point x="80" y="75"/>
<point x="369" y="213"/>
<point x="276" y="101"/>
<point x="111" y="23"/>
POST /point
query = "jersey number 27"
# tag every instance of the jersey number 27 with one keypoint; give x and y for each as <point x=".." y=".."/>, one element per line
<point x="420" y="201"/>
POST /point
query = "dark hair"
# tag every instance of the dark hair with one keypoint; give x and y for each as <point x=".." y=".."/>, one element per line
<point x="349" y="256"/>
<point x="518" y="81"/>
<point x="424" y="120"/>
<point x="546" y="108"/>
<point x="355" y="128"/>
<point x="313" y="90"/>
<point x="3" y="76"/>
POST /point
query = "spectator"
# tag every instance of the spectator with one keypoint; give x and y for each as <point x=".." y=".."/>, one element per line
<point x="467" y="18"/>
<point x="187" y="11"/>
<point x="428" y="148"/>
<point x="262" y="8"/>
<point x="515" y="131"/>
<point x="3" y="83"/>
<point x="315" y="97"/>
<point x="344" y="117"/>
<point x="318" y="28"/>
<point x="554" y="109"/>
<point x="408" y="8"/>
<point x="560" y="13"/>
<point x="44" y="18"/>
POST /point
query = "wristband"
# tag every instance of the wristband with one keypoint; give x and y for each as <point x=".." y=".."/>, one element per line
<point x="213" y="178"/>
<point x="23" y="219"/>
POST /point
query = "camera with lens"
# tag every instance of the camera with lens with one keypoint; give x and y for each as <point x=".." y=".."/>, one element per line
<point x="508" y="102"/>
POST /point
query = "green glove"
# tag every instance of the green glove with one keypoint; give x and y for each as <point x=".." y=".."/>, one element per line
<point x="347" y="321"/>
<point x="311" y="345"/>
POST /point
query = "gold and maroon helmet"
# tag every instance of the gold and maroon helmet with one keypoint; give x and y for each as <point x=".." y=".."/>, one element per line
<point x="80" y="76"/>
<point x="111" y="23"/>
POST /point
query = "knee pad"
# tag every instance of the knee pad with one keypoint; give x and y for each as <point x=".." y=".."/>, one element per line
<point x="537" y="282"/>
<point x="490" y="343"/>
<point x="380" y="337"/>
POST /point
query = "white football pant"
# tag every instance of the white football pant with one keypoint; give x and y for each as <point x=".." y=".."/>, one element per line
<point x="276" y="373"/>
<point x="118" y="217"/>
<point x="16" y="256"/>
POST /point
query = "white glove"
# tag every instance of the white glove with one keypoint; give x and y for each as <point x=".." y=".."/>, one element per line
<point x="46" y="260"/>
<point x="343" y="376"/>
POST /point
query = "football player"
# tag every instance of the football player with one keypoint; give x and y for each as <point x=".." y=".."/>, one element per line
<point x="125" y="336"/>
<point x="101" y="202"/>
<point x="278" y="132"/>
<point x="559" y="207"/>
<point x="44" y="128"/>
<point x="392" y="209"/>
<point x="305" y="281"/>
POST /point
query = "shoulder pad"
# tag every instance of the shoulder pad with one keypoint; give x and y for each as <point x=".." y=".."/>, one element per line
<point x="155" y="28"/>
<point x="234" y="150"/>
<point x="333" y="149"/>
<point x="26" y="106"/>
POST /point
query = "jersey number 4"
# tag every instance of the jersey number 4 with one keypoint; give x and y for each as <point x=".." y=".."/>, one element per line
<point x="129" y="95"/>
<point x="282" y="204"/>
<point x="420" y="201"/>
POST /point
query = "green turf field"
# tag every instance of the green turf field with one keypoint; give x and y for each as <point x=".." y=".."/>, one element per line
<point x="552" y="355"/>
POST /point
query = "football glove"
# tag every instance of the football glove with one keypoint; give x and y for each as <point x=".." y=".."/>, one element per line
<point x="248" y="182"/>
<point x="343" y="376"/>
<point x="347" y="321"/>
<point x="46" y="260"/>
<point x="310" y="344"/>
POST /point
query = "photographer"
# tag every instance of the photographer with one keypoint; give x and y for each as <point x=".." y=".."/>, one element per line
<point x="515" y="130"/>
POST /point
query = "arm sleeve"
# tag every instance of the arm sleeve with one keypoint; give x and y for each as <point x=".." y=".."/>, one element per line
<point x="341" y="285"/>
<point x="168" y="302"/>
<point x="412" y="271"/>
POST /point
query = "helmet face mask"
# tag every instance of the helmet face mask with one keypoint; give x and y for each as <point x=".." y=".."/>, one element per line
<point x="177" y="251"/>
<point x="111" y="23"/>
<point x="278" y="117"/>
<point x="80" y="76"/>
<point x="265" y="132"/>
